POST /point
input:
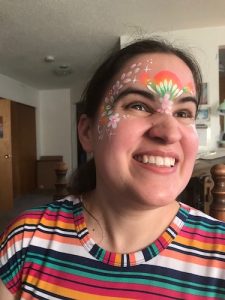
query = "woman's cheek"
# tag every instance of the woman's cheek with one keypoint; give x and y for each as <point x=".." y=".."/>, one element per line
<point x="108" y="124"/>
<point x="192" y="136"/>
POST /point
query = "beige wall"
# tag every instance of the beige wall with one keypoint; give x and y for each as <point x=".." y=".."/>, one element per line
<point x="56" y="122"/>
<point x="54" y="118"/>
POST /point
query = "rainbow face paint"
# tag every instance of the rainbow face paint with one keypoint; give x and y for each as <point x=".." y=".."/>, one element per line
<point x="168" y="86"/>
<point x="164" y="84"/>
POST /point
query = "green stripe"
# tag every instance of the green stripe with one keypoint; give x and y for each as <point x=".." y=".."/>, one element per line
<point x="203" y="227"/>
<point x="154" y="279"/>
<point x="13" y="270"/>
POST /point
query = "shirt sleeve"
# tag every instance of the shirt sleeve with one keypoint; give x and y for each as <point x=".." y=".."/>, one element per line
<point x="13" y="246"/>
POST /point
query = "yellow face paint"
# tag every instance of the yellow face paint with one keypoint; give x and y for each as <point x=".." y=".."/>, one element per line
<point x="168" y="86"/>
<point x="165" y="84"/>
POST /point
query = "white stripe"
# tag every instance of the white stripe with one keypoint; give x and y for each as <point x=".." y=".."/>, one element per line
<point x="56" y="230"/>
<point x="61" y="247"/>
<point x="16" y="247"/>
<point x="20" y="229"/>
<point x="70" y="198"/>
<point x="179" y="223"/>
<point x="139" y="256"/>
<point x="125" y="260"/>
<point x="188" y="267"/>
<point x="171" y="232"/>
<point x="198" y="252"/>
<point x="37" y="293"/>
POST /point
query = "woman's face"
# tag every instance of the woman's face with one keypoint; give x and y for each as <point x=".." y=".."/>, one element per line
<point x="145" y="141"/>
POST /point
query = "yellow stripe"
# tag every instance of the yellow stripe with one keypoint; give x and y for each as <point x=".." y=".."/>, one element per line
<point x="200" y="245"/>
<point x="66" y="292"/>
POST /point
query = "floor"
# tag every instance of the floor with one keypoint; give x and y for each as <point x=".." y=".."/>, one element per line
<point x="24" y="202"/>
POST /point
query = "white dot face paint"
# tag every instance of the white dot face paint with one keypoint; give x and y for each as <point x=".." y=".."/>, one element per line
<point x="164" y="84"/>
<point x="109" y="119"/>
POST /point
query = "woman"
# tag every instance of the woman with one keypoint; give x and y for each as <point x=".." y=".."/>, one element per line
<point x="123" y="235"/>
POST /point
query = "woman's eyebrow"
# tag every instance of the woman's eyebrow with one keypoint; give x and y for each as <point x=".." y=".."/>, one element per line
<point x="188" y="99"/>
<point x="128" y="91"/>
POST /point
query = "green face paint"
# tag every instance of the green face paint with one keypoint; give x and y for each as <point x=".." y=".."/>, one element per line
<point x="164" y="84"/>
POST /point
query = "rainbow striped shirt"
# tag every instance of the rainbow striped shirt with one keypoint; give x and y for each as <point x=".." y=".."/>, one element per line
<point x="47" y="253"/>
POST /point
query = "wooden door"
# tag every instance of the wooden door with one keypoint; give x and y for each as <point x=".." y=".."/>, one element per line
<point x="23" y="148"/>
<point x="17" y="152"/>
<point x="6" y="180"/>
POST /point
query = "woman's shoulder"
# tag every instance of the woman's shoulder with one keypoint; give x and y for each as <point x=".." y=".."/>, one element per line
<point x="35" y="228"/>
<point x="202" y="220"/>
<point x="47" y="215"/>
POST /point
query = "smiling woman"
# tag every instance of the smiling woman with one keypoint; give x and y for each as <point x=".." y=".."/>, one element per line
<point x="122" y="234"/>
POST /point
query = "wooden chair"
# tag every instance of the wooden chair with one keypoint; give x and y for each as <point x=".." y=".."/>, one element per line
<point x="217" y="205"/>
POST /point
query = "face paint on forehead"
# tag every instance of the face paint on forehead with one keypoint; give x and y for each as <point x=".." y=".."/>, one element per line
<point x="168" y="86"/>
<point x="165" y="84"/>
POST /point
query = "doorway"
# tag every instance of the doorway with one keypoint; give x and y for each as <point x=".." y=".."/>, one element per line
<point x="17" y="151"/>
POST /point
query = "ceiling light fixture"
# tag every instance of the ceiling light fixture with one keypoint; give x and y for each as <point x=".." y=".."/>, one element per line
<point x="63" y="70"/>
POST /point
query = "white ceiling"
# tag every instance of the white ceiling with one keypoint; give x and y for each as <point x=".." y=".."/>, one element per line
<point x="81" y="32"/>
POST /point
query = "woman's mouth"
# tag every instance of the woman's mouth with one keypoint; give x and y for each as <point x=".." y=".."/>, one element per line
<point x="156" y="160"/>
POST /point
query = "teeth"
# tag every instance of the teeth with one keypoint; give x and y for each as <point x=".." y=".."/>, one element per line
<point x="145" y="159"/>
<point x="157" y="160"/>
<point x="167" y="161"/>
<point x="151" y="159"/>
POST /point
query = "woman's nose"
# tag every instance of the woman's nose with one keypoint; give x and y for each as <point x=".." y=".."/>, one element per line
<point x="165" y="129"/>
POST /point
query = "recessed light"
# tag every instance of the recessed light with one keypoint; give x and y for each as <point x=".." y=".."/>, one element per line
<point x="63" y="70"/>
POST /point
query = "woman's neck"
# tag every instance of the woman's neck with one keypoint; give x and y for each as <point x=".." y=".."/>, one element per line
<point x="124" y="229"/>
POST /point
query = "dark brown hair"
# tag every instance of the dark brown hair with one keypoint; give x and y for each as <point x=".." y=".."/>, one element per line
<point x="84" y="178"/>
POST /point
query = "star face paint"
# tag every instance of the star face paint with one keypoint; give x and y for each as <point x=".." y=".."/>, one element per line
<point x="164" y="84"/>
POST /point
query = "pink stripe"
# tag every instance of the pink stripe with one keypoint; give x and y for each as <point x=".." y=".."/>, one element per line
<point x="104" y="288"/>
<point x="106" y="257"/>
<point x="164" y="241"/>
<point x="158" y="245"/>
<point x="60" y="218"/>
<point x="112" y="258"/>
<point x="203" y="236"/>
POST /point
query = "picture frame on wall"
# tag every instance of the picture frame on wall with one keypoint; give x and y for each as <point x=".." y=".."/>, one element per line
<point x="203" y="114"/>
<point x="204" y="133"/>
<point x="204" y="97"/>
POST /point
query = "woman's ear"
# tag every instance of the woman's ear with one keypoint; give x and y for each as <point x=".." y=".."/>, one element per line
<point x="85" y="133"/>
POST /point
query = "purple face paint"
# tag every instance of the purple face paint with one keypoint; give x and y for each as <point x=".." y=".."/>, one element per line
<point x="164" y="83"/>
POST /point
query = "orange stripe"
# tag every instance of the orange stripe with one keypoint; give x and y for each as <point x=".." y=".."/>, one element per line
<point x="193" y="259"/>
<point x="200" y="245"/>
<point x="17" y="238"/>
<point x="132" y="258"/>
<point x="58" y="238"/>
<point x="66" y="292"/>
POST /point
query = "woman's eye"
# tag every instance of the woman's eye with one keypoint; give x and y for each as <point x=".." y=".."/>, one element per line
<point x="184" y="114"/>
<point x="139" y="106"/>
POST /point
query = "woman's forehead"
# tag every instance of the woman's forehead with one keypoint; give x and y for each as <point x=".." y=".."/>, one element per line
<point x="158" y="69"/>
<point x="155" y="62"/>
